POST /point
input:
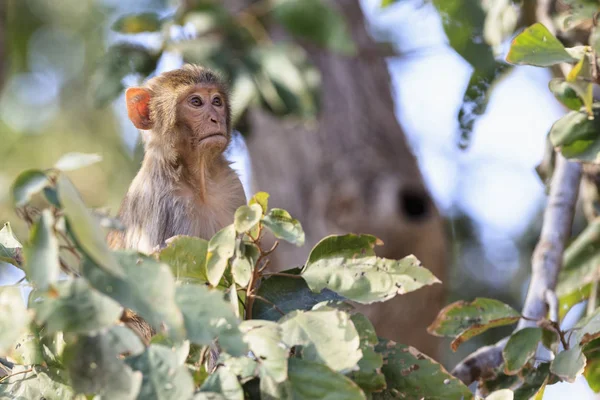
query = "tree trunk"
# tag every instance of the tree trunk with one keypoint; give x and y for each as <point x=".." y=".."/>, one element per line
<point x="354" y="172"/>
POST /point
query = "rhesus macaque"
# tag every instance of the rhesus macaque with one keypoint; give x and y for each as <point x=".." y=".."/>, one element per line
<point x="185" y="185"/>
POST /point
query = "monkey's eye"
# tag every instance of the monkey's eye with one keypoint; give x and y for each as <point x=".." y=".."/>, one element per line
<point x="217" y="101"/>
<point x="195" y="101"/>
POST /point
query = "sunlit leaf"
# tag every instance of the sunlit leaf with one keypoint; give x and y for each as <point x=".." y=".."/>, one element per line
<point x="73" y="306"/>
<point x="10" y="248"/>
<point x="537" y="46"/>
<point x="283" y="226"/>
<point x="502" y="394"/>
<point x="327" y="336"/>
<point x="207" y="316"/>
<point x="14" y="317"/>
<point x="137" y="23"/>
<point x="348" y="265"/>
<point x="165" y="377"/>
<point x="246" y="217"/>
<point x="265" y="341"/>
<point x="568" y="364"/>
<point x="85" y="228"/>
<point x="148" y="288"/>
<point x="416" y="376"/>
<point x="521" y="347"/>
<point x="262" y="199"/>
<point x="463" y="320"/>
<point x="33" y="383"/>
<point x="220" y="249"/>
<point x="186" y="255"/>
<point x="224" y="382"/>
<point x="26" y="185"/>
<point x="576" y="135"/>
<point x="41" y="253"/>
<point x="72" y="161"/>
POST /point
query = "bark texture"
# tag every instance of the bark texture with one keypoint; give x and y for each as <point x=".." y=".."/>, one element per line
<point x="354" y="172"/>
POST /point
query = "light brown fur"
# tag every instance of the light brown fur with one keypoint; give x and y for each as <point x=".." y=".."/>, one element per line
<point x="185" y="185"/>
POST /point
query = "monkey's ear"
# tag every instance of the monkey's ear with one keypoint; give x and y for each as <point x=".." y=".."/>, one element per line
<point x="138" y="107"/>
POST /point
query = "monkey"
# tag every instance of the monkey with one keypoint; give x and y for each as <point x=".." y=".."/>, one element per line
<point x="185" y="186"/>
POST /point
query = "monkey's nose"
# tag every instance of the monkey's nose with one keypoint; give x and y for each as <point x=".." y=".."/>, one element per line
<point x="213" y="120"/>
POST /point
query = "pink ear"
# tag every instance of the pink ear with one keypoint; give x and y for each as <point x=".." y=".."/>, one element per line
<point x="138" y="110"/>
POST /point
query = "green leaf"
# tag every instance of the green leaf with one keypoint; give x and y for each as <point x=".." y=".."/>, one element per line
<point x="416" y="376"/>
<point x="208" y="316"/>
<point x="41" y="253"/>
<point x="33" y="384"/>
<point x="120" y="60"/>
<point x="243" y="263"/>
<point x="577" y="135"/>
<point x="220" y="250"/>
<point x="262" y="199"/>
<point x="327" y="336"/>
<point x="224" y="382"/>
<point x="95" y="367"/>
<point x="288" y="294"/>
<point x="567" y="93"/>
<point x="28" y="350"/>
<point x="186" y="255"/>
<point x="310" y="380"/>
<point x="165" y="378"/>
<point x="247" y="217"/>
<point x="463" y="320"/>
<point x="27" y="184"/>
<point x="592" y="372"/>
<point x="521" y="347"/>
<point x="137" y="23"/>
<point x="148" y="289"/>
<point x="369" y="376"/>
<point x="266" y="344"/>
<point x="73" y="306"/>
<point x="588" y="328"/>
<point x="73" y="161"/>
<point x="85" y="228"/>
<point x="348" y="265"/>
<point x="537" y="46"/>
<point x="534" y="383"/>
<point x="10" y="248"/>
<point x="316" y="21"/>
<point x="14" y="317"/>
<point x="502" y="394"/>
<point x="283" y="226"/>
<point x="568" y="364"/>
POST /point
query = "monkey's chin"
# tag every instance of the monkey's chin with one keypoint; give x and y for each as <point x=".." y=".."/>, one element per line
<point x="213" y="142"/>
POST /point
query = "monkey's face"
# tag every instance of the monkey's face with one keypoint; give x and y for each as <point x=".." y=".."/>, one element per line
<point x="202" y="113"/>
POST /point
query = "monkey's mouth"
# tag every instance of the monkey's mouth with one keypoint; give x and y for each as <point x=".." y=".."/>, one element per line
<point x="212" y="135"/>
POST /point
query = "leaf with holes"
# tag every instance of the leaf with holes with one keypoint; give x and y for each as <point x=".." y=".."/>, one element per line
<point x="463" y="320"/>
<point x="247" y="217"/>
<point x="416" y="376"/>
<point x="220" y="249"/>
<point x="186" y="255"/>
<point x="27" y="184"/>
<point x="537" y="46"/>
<point x="348" y="265"/>
<point x="521" y="347"/>
<point x="41" y="253"/>
<point x="327" y="336"/>
<point x="283" y="226"/>
<point x="369" y="376"/>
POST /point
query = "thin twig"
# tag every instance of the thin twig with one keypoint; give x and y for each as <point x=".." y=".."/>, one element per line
<point x="269" y="303"/>
<point x="16" y="373"/>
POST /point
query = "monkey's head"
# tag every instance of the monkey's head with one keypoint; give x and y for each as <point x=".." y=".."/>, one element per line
<point x="187" y="111"/>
